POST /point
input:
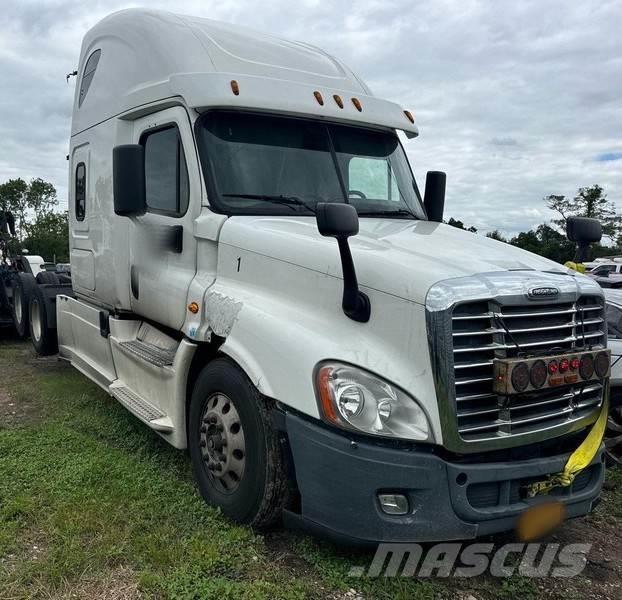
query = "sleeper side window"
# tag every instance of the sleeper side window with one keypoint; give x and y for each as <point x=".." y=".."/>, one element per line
<point x="87" y="76"/>
<point x="80" y="192"/>
<point x="166" y="174"/>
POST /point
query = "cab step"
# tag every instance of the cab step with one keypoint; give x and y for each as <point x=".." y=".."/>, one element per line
<point x="155" y="355"/>
<point x="144" y="410"/>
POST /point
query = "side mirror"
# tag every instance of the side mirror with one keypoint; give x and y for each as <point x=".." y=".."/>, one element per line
<point x="434" y="198"/>
<point x="128" y="179"/>
<point x="583" y="231"/>
<point x="342" y="221"/>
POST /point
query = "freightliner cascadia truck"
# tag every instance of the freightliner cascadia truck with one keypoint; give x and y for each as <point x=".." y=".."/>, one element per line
<point x="256" y="277"/>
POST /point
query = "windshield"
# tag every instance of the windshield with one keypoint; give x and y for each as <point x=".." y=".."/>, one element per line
<point x="261" y="164"/>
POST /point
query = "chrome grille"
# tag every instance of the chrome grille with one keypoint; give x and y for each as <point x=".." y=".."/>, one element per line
<point x="484" y="330"/>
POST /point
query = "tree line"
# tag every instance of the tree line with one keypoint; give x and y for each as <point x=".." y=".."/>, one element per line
<point x="43" y="229"/>
<point x="40" y="226"/>
<point x="549" y="240"/>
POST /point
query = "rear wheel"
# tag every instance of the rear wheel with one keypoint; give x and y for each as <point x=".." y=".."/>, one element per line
<point x="236" y="454"/>
<point x="48" y="277"/>
<point x="43" y="336"/>
<point x="24" y="286"/>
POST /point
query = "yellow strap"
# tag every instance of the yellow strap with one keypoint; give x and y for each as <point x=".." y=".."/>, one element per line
<point x="579" y="459"/>
<point x="579" y="267"/>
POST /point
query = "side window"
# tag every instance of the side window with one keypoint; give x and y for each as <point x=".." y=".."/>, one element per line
<point x="373" y="178"/>
<point x="80" y="191"/>
<point x="87" y="76"/>
<point x="166" y="174"/>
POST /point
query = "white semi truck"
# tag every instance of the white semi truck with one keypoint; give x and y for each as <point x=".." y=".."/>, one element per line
<point x="403" y="381"/>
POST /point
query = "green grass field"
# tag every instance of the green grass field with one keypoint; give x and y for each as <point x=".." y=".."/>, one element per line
<point x="94" y="505"/>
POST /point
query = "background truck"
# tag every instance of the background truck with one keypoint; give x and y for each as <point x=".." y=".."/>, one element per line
<point x="256" y="277"/>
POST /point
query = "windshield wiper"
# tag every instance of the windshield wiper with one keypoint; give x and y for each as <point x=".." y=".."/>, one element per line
<point x="400" y="212"/>
<point x="290" y="201"/>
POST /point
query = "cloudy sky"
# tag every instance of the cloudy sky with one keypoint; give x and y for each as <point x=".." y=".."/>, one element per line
<point x="515" y="100"/>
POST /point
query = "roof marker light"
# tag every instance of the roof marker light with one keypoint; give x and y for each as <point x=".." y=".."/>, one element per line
<point x="319" y="98"/>
<point x="235" y="88"/>
<point x="409" y="116"/>
<point x="357" y="103"/>
<point x="338" y="100"/>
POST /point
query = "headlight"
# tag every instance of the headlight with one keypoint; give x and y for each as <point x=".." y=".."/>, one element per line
<point x="355" y="399"/>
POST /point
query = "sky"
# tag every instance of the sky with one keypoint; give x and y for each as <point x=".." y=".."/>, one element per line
<point x="514" y="100"/>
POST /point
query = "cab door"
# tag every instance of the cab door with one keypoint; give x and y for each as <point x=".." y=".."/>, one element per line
<point x="162" y="245"/>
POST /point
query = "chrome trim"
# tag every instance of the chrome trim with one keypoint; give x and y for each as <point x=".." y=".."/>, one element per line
<point x="508" y="290"/>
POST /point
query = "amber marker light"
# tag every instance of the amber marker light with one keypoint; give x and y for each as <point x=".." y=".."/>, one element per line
<point x="326" y="401"/>
<point x="319" y="98"/>
<point x="357" y="104"/>
<point x="235" y="88"/>
<point x="409" y="116"/>
<point x="193" y="307"/>
<point x="338" y="100"/>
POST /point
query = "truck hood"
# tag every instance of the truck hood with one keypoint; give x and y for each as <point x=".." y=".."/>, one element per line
<point x="399" y="257"/>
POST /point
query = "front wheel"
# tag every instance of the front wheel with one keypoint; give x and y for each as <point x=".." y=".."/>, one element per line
<point x="235" y="451"/>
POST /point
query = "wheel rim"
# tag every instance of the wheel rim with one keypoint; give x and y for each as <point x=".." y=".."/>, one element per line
<point x="17" y="303"/>
<point x="35" y="319"/>
<point x="222" y="443"/>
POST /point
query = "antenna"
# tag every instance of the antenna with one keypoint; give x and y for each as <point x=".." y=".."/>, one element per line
<point x="72" y="74"/>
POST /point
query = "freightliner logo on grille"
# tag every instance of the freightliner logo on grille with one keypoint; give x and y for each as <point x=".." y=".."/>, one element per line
<point x="543" y="292"/>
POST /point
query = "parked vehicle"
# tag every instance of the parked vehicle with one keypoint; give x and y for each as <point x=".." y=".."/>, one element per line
<point x="607" y="274"/>
<point x="613" y="443"/>
<point x="352" y="385"/>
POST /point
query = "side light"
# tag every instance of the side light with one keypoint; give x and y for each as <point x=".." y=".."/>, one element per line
<point x="319" y="98"/>
<point x="235" y="88"/>
<point x="357" y="104"/>
<point x="553" y="367"/>
<point x="409" y="116"/>
<point x="193" y="307"/>
<point x="564" y="365"/>
<point x="338" y="100"/>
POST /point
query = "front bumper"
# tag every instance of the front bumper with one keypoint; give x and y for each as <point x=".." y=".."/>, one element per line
<point x="339" y="480"/>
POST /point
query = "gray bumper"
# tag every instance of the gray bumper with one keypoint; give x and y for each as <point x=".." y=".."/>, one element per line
<point x="339" y="481"/>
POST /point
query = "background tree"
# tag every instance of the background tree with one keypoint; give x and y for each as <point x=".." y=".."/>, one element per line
<point x="589" y="202"/>
<point x="26" y="200"/>
<point x="460" y="225"/>
<point x="496" y="235"/>
<point x="546" y="242"/>
<point x="48" y="236"/>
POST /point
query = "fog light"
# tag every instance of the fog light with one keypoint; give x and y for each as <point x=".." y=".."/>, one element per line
<point x="393" y="504"/>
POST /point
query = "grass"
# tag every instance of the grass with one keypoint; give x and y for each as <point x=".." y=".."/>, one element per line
<point x="95" y="505"/>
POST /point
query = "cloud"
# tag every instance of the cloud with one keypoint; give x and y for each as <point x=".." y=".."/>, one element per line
<point x="514" y="101"/>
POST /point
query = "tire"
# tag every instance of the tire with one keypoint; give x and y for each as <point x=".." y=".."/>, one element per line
<point x="24" y="286"/>
<point x="251" y="486"/>
<point x="43" y="337"/>
<point x="47" y="277"/>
